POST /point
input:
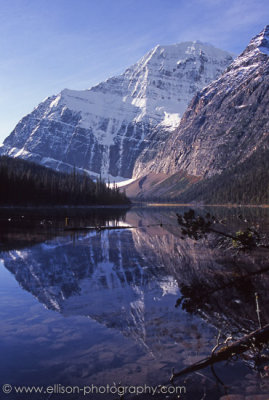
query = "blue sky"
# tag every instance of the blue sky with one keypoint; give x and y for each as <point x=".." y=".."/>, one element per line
<point x="49" y="45"/>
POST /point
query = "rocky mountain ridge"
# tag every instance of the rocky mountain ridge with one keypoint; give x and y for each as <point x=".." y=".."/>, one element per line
<point x="224" y="123"/>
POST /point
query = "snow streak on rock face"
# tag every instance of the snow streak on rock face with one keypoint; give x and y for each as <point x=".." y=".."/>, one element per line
<point x="225" y="123"/>
<point x="105" y="128"/>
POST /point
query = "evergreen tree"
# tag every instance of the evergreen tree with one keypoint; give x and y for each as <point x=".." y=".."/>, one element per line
<point x="25" y="183"/>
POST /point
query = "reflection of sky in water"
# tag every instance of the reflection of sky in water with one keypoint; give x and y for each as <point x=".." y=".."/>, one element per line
<point x="101" y="308"/>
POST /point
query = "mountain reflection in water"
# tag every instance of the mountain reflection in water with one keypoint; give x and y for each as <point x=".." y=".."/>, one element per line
<point x="110" y="310"/>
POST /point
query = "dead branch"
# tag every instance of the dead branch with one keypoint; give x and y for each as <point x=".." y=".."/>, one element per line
<point x="197" y="227"/>
<point x="256" y="338"/>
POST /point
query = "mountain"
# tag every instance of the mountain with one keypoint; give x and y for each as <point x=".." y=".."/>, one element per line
<point x="105" y="129"/>
<point x="225" y="124"/>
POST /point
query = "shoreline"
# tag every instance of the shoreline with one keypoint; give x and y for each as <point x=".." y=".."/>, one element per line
<point x="122" y="206"/>
<point x="65" y="207"/>
<point x="202" y="205"/>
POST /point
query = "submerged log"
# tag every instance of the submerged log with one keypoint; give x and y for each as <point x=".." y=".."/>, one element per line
<point x="98" y="228"/>
<point x="102" y="228"/>
<point x="255" y="338"/>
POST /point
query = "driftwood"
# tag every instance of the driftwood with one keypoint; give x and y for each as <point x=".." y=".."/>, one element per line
<point x="102" y="228"/>
<point x="255" y="338"/>
<point x="98" y="228"/>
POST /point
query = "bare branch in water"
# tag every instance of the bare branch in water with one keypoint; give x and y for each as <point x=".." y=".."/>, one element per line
<point x="240" y="346"/>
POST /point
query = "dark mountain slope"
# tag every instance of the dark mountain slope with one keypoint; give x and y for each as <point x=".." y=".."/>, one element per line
<point x="224" y="126"/>
<point x="246" y="183"/>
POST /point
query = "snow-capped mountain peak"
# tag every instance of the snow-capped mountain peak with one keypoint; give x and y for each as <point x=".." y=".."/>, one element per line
<point x="105" y="128"/>
<point x="257" y="46"/>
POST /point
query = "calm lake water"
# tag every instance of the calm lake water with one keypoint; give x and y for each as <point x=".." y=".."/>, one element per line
<point x="86" y="307"/>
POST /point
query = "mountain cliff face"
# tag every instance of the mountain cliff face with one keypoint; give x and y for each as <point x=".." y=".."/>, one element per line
<point x="105" y="129"/>
<point x="224" y="123"/>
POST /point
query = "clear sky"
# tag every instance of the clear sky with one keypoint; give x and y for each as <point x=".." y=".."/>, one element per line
<point x="49" y="45"/>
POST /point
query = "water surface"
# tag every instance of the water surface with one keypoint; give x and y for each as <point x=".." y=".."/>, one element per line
<point x="97" y="307"/>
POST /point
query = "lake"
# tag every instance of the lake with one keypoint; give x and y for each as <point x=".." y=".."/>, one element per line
<point x="126" y="306"/>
